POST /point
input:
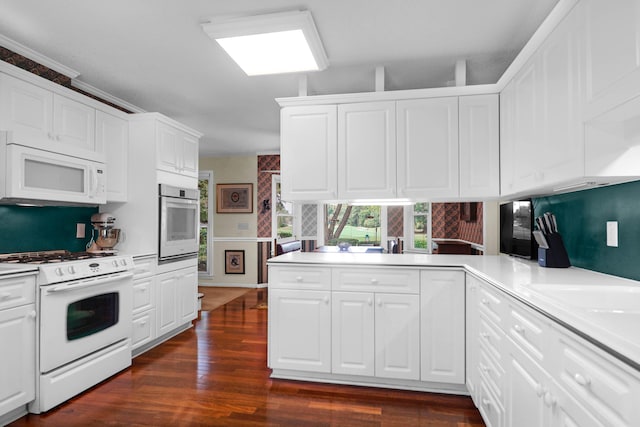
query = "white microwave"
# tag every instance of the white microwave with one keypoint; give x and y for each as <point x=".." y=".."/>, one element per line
<point x="42" y="177"/>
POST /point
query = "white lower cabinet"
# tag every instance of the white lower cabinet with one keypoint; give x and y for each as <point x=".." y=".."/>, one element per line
<point x="177" y="299"/>
<point x="300" y="330"/>
<point x="352" y="333"/>
<point x="529" y="371"/>
<point x="18" y="338"/>
<point x="442" y="340"/>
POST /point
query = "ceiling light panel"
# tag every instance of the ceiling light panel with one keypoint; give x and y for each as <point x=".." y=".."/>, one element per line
<point x="284" y="42"/>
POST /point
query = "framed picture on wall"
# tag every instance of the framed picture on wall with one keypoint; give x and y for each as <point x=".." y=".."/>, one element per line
<point x="234" y="198"/>
<point x="233" y="261"/>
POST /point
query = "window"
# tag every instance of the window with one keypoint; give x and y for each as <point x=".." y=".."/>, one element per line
<point x="205" y="250"/>
<point x="357" y="225"/>
<point x="418" y="227"/>
<point x="283" y="216"/>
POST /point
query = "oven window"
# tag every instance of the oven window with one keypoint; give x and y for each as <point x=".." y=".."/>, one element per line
<point x="92" y="315"/>
<point x="181" y="222"/>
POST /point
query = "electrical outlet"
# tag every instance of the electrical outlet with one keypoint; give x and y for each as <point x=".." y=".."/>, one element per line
<point x="612" y="233"/>
<point x="80" y="231"/>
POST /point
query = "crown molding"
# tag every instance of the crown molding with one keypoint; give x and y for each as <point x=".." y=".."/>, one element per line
<point x="37" y="57"/>
<point x="106" y="96"/>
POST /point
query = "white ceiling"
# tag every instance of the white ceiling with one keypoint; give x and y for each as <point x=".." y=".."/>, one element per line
<point x="155" y="55"/>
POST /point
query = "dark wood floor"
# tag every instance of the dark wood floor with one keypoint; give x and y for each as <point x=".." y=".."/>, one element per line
<point x="216" y="374"/>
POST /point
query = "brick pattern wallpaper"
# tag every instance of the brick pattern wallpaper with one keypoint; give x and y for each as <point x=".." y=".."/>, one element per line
<point x="267" y="166"/>
<point x="33" y="67"/>
<point x="446" y="223"/>
<point x="395" y="221"/>
<point x="309" y="221"/>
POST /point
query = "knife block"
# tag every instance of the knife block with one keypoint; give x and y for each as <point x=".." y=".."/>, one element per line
<point x="556" y="255"/>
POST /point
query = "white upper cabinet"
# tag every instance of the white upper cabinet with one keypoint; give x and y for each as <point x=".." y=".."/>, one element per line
<point x="479" y="142"/>
<point x="428" y="148"/>
<point x="113" y="134"/>
<point x="367" y="150"/>
<point x="309" y="152"/>
<point x="177" y="150"/>
<point x="612" y="36"/>
<point x="41" y="119"/>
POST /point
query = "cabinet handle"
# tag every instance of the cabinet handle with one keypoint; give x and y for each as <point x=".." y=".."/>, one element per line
<point x="486" y="402"/>
<point x="484" y="301"/>
<point x="326" y="300"/>
<point x="550" y="400"/>
<point x="519" y="329"/>
<point x="583" y="381"/>
<point x="5" y="295"/>
<point x="143" y="323"/>
<point x="299" y="279"/>
<point x="32" y="314"/>
<point x="370" y="301"/>
<point x="540" y="390"/>
<point x="49" y="135"/>
<point x="484" y="368"/>
<point x="379" y="302"/>
<point x="374" y="281"/>
<point x="57" y="137"/>
<point x="484" y="335"/>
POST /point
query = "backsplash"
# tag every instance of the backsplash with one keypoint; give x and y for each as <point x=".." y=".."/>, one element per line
<point x="27" y="229"/>
<point x="582" y="218"/>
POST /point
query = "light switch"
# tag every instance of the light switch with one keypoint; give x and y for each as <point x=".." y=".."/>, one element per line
<point x="612" y="233"/>
<point x="80" y="232"/>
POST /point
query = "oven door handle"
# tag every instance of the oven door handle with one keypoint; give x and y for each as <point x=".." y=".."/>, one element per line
<point x="89" y="283"/>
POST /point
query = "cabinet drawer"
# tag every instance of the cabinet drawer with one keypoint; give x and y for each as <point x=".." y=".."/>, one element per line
<point x="143" y="328"/>
<point x="492" y="304"/>
<point x="528" y="331"/>
<point x="311" y="278"/>
<point x="491" y="410"/>
<point x="142" y="294"/>
<point x="602" y="384"/>
<point x="492" y="339"/>
<point x="492" y="373"/>
<point x="400" y="281"/>
<point x="17" y="290"/>
<point x="144" y="267"/>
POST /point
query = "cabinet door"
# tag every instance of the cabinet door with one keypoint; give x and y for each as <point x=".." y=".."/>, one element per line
<point x="612" y="34"/>
<point x="309" y="152"/>
<point x="167" y="313"/>
<point x="113" y="134"/>
<point x="188" y="295"/>
<point x="300" y="330"/>
<point x="352" y="325"/>
<point x="428" y="148"/>
<point x="397" y="335"/>
<point x="167" y="146"/>
<point x="367" y="151"/>
<point x="508" y="159"/>
<point x="27" y="111"/>
<point x="442" y="326"/>
<point x="189" y="155"/>
<point x="74" y="127"/>
<point x="479" y="146"/>
<point x="472" y="345"/>
<point x="17" y="359"/>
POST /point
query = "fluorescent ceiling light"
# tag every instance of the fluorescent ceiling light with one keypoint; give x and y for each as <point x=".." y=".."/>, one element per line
<point x="276" y="43"/>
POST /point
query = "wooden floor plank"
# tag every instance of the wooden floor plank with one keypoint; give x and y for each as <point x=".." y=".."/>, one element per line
<point x="215" y="374"/>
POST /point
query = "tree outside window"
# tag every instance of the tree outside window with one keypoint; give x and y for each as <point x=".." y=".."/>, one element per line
<point x="356" y="225"/>
<point x="283" y="214"/>
<point x="421" y="219"/>
<point x="204" y="255"/>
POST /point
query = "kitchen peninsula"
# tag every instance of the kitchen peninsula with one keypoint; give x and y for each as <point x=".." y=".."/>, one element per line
<point x="524" y="341"/>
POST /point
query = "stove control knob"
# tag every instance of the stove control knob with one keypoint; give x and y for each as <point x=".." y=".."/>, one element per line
<point x="123" y="262"/>
<point x="59" y="271"/>
<point x="115" y="262"/>
<point x="71" y="270"/>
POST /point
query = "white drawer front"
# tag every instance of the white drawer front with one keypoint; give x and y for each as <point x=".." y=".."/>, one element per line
<point x="492" y="339"/>
<point x="493" y="305"/>
<point x="491" y="410"/>
<point x="492" y="373"/>
<point x="144" y="267"/>
<point x="599" y="383"/>
<point x="528" y="331"/>
<point x="142" y="294"/>
<point x="143" y="328"/>
<point x="376" y="280"/>
<point x="305" y="277"/>
<point x="16" y="291"/>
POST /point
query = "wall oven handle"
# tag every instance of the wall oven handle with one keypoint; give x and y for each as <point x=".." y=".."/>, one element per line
<point x="90" y="282"/>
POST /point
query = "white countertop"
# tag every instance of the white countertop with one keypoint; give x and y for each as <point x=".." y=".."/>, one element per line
<point x="616" y="331"/>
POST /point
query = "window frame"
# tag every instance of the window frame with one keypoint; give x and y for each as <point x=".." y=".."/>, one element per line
<point x="409" y="218"/>
<point x="322" y="223"/>
<point x="208" y="174"/>
<point x="295" y="215"/>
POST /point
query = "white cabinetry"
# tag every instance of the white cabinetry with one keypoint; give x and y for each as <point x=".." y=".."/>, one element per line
<point x="309" y="152"/>
<point x="177" y="299"/>
<point x="479" y="146"/>
<point x="112" y="133"/>
<point x="367" y="150"/>
<point x="18" y="337"/>
<point x="352" y="333"/>
<point x="428" y="148"/>
<point x="42" y="119"/>
<point x="442" y="326"/>
<point x="177" y="150"/>
<point x="144" y="302"/>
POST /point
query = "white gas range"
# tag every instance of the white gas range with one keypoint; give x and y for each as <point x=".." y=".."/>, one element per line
<point x="84" y="310"/>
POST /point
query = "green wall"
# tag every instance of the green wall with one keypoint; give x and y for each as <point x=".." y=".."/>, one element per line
<point x="582" y="218"/>
<point x="26" y="229"/>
